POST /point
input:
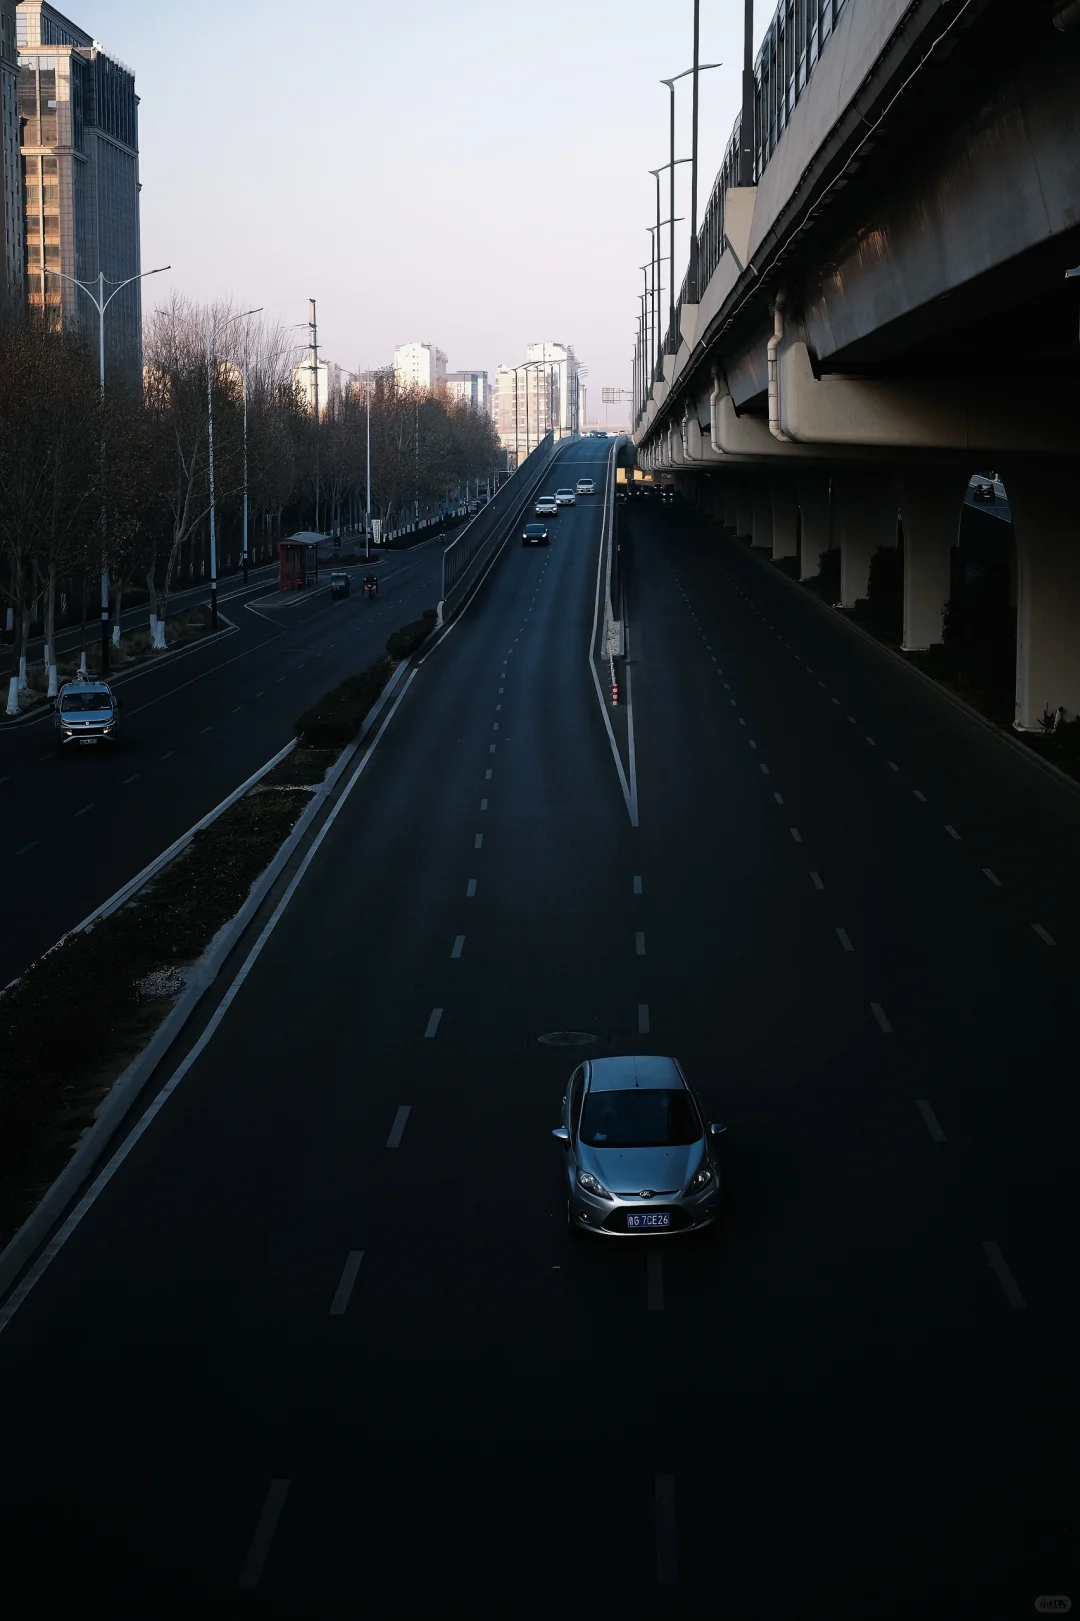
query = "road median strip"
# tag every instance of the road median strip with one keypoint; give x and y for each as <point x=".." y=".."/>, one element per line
<point x="85" y="1026"/>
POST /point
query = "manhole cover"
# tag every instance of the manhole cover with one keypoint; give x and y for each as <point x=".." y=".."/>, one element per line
<point x="567" y="1038"/>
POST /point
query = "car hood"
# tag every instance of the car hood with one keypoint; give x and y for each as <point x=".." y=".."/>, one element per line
<point x="629" y="1170"/>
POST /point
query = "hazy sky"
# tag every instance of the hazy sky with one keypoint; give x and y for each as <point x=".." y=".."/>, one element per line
<point x="472" y="173"/>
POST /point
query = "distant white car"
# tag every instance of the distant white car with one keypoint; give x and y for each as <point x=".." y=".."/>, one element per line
<point x="585" y="486"/>
<point x="565" y="498"/>
<point x="547" y="507"/>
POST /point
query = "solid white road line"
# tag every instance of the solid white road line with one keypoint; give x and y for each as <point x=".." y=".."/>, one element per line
<point x="264" y="1534"/>
<point x="433" y="1022"/>
<point x="879" y="1014"/>
<point x="459" y="946"/>
<point x="842" y="936"/>
<point x="639" y="944"/>
<point x="654" y="1272"/>
<point x="637" y="886"/>
<point x="397" y="1130"/>
<point x="344" y="1288"/>
<point x="471" y="891"/>
<point x="1005" y="1277"/>
<point x="643" y="1019"/>
<point x="667" y="1557"/>
<point x="993" y="877"/>
<point x="815" y="879"/>
<point x="931" y="1120"/>
<point x="1041" y="932"/>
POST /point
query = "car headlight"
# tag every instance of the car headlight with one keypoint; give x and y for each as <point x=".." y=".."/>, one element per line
<point x="700" y="1179"/>
<point x="587" y="1181"/>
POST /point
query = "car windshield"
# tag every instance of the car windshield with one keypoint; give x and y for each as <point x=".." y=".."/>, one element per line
<point x="646" y="1118"/>
<point x="82" y="701"/>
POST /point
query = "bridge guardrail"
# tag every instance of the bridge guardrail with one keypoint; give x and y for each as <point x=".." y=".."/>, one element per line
<point x="464" y="557"/>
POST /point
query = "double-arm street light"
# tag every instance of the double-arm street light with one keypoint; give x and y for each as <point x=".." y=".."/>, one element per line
<point x="101" y="304"/>
<point x="210" y="337"/>
<point x="697" y="69"/>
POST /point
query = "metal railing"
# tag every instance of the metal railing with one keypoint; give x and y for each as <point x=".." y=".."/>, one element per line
<point x="472" y="545"/>
<point x="793" y="43"/>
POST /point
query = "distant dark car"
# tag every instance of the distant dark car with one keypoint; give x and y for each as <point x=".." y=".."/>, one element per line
<point x="534" y="534"/>
<point x="667" y="492"/>
<point x="983" y="492"/>
<point x="339" y="585"/>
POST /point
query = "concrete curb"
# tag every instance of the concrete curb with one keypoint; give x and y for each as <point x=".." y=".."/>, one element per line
<point x="9" y="723"/>
<point x="1000" y="732"/>
<point x="30" y="1237"/>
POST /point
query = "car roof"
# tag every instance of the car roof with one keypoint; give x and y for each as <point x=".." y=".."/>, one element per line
<point x="634" y="1072"/>
<point x="86" y="686"/>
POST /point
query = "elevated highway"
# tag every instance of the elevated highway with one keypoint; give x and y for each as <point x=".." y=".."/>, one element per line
<point x="886" y="310"/>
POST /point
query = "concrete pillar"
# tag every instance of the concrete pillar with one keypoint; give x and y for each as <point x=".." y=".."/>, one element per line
<point x="815" y="516"/>
<point x="744" y="510"/>
<point x="867" y="521"/>
<point x="1046" y="521"/>
<point x="785" y="512"/>
<point x="931" y="500"/>
<point x="763" y="530"/>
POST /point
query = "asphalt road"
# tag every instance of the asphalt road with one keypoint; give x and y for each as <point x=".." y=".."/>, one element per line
<point x="79" y="823"/>
<point x="321" y="1346"/>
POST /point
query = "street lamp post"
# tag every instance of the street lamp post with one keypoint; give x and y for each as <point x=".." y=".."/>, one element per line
<point x="210" y="335"/>
<point x="101" y="304"/>
<point x="698" y="67"/>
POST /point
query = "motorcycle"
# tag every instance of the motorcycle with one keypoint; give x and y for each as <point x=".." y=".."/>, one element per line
<point x="371" y="588"/>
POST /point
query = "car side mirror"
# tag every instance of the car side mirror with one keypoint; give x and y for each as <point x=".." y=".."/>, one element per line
<point x="561" y="1133"/>
<point x="717" y="1130"/>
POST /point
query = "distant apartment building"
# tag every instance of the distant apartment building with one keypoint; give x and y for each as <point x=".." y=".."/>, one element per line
<point x="331" y="384"/>
<point x="419" y="365"/>
<point x="470" y="386"/>
<point x="537" y="397"/>
<point x="80" y="163"/>
<point x="11" y="203"/>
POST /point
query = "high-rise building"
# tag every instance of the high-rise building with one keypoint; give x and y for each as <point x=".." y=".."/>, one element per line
<point x="419" y="365"/>
<point x="331" y="381"/>
<point x="11" y="203"/>
<point x="80" y="161"/>
<point x="537" y="397"/>
<point x="470" y="386"/>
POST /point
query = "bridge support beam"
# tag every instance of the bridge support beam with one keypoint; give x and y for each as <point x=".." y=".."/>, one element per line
<point x="931" y="500"/>
<point x="867" y="521"/>
<point x="1047" y="527"/>
<point x="744" y="511"/>
<point x="763" y="523"/>
<point x="785" y="518"/>
<point x="815" y="521"/>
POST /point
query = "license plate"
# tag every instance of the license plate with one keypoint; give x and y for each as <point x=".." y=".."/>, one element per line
<point x="650" y="1218"/>
<point x="85" y="740"/>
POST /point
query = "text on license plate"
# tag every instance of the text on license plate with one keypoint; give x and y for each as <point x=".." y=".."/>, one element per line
<point x="651" y="1218"/>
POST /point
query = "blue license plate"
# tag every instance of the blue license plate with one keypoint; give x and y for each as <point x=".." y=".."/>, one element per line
<point x="650" y="1218"/>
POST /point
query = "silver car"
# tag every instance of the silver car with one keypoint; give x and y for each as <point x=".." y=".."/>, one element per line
<point x="87" y="712"/>
<point x="637" y="1149"/>
<point x="565" y="498"/>
<point x="547" y="507"/>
